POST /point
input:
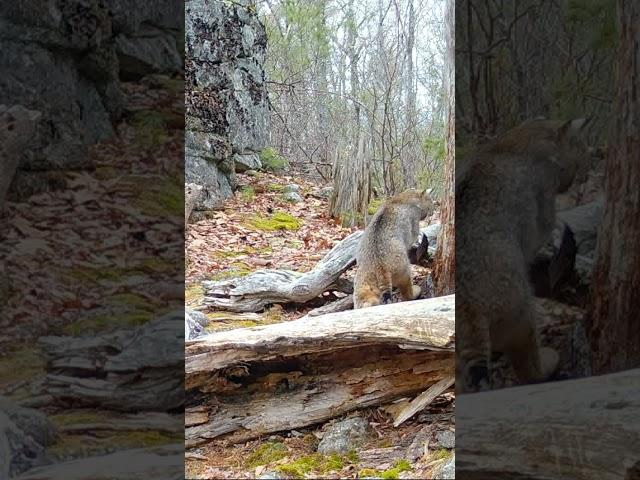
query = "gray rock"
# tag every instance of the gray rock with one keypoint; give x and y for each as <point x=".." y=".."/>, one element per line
<point x="227" y="108"/>
<point x="291" y="188"/>
<point x="24" y="436"/>
<point x="194" y="323"/>
<point x="432" y="232"/>
<point x="292" y="197"/>
<point x="344" y="436"/>
<point x="72" y="55"/>
<point x="445" y="439"/>
<point x="153" y="50"/>
<point x="247" y="162"/>
<point x="192" y="194"/>
<point x="417" y="449"/>
<point x="271" y="476"/>
<point x="446" y="470"/>
<point x="584" y="221"/>
<point x="325" y="192"/>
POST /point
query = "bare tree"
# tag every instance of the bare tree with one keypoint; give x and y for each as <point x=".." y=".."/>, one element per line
<point x="445" y="259"/>
<point x="614" y="329"/>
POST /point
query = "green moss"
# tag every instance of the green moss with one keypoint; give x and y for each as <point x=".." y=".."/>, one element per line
<point x="352" y="456"/>
<point x="390" y="474"/>
<point x="315" y="462"/>
<point x="277" y="221"/>
<point x="267" y="453"/>
<point x="103" y="323"/>
<point x="374" y="205"/>
<point x="367" y="472"/>
<point x="77" y="418"/>
<point x="22" y="363"/>
<point x="393" y="473"/>
<point x="272" y="161"/>
<point x="161" y="198"/>
<point x="106" y="173"/>
<point x="156" y="264"/>
<point x="441" y="454"/>
<point x="193" y="294"/>
<point x="150" y="128"/>
<point x="230" y="273"/>
<point x="274" y="187"/>
<point x="132" y="300"/>
<point x="103" y="441"/>
<point x="247" y="193"/>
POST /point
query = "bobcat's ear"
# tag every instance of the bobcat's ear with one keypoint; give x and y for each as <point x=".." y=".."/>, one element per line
<point x="572" y="127"/>
<point x="427" y="192"/>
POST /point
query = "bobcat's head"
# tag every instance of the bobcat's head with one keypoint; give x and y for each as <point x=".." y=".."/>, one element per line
<point x="551" y="140"/>
<point x="422" y="199"/>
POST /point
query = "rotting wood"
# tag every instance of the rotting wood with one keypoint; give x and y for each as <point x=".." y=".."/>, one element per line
<point x="424" y="399"/>
<point x="554" y="430"/>
<point x="248" y="382"/>
<point x="256" y="291"/>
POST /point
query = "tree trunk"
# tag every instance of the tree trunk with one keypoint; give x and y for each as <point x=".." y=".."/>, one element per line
<point x="552" y="430"/>
<point x="445" y="258"/>
<point x="254" y="381"/>
<point x="615" y="331"/>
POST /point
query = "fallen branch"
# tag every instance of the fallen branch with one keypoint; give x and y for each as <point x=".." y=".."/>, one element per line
<point x="253" y="381"/>
<point x="128" y="370"/>
<point x="424" y="399"/>
<point x="264" y="287"/>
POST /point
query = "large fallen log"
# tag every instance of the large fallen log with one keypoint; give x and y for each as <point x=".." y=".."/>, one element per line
<point x="128" y="370"/>
<point x="165" y="462"/>
<point x="579" y="429"/>
<point x="248" y="382"/>
<point x="260" y="289"/>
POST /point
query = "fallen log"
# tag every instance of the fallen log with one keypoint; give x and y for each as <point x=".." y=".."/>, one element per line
<point x="256" y="291"/>
<point x="260" y="289"/>
<point x="164" y="462"/>
<point x="249" y="382"/>
<point x="580" y="429"/>
<point x="128" y="370"/>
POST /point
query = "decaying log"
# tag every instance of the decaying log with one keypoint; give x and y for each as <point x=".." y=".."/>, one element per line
<point x="580" y="429"/>
<point x="256" y="291"/>
<point x="164" y="462"/>
<point x="129" y="370"/>
<point x="264" y="287"/>
<point x="345" y="303"/>
<point x="248" y="382"/>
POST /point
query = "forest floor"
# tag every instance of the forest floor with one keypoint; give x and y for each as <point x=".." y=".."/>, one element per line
<point x="63" y="249"/>
<point x="234" y="242"/>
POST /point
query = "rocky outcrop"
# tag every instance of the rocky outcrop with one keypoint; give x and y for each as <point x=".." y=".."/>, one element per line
<point x="24" y="436"/>
<point x="226" y="96"/>
<point x="66" y="60"/>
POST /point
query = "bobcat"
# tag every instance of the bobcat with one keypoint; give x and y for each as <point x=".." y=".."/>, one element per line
<point x="505" y="211"/>
<point x="382" y="255"/>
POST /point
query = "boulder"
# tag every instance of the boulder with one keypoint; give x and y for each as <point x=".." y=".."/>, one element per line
<point x="24" y="435"/>
<point x="247" y="161"/>
<point x="344" y="436"/>
<point x="226" y="99"/>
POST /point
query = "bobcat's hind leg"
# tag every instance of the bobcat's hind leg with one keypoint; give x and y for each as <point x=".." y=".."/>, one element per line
<point x="473" y="354"/>
<point x="402" y="279"/>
